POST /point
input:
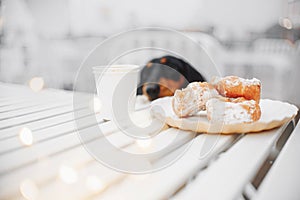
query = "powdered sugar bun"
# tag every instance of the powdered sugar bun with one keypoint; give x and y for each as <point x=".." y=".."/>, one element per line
<point x="192" y="99"/>
<point x="234" y="87"/>
<point x="232" y="111"/>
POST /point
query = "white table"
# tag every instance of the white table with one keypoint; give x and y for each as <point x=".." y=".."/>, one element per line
<point x="282" y="182"/>
<point x="56" y="166"/>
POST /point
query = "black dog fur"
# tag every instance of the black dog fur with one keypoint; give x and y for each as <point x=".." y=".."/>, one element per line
<point x="169" y="68"/>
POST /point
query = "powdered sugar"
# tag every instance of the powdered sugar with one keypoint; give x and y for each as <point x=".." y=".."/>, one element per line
<point x="192" y="99"/>
<point x="184" y="102"/>
<point x="236" y="81"/>
<point x="229" y="112"/>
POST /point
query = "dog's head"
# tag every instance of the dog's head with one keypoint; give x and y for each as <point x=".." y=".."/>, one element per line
<point x="162" y="76"/>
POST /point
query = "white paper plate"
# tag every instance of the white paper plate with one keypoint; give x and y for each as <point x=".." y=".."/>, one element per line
<point x="274" y="114"/>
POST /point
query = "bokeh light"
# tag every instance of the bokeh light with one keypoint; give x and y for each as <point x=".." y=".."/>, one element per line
<point x="287" y="23"/>
<point x="29" y="189"/>
<point x="36" y="84"/>
<point x="67" y="174"/>
<point x="25" y="136"/>
<point x="94" y="184"/>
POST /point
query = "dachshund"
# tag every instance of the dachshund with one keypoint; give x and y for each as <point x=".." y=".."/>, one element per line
<point x="160" y="77"/>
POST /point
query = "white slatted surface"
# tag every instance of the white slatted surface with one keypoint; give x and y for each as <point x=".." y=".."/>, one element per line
<point x="282" y="182"/>
<point x="56" y="147"/>
<point x="227" y="176"/>
<point x="164" y="183"/>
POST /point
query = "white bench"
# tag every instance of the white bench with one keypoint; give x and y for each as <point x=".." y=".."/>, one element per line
<point x="282" y="182"/>
<point x="42" y="170"/>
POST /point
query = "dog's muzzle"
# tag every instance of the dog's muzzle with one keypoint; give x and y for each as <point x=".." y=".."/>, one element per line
<point x="152" y="91"/>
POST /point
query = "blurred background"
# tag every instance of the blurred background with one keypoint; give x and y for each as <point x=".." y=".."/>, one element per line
<point x="251" y="38"/>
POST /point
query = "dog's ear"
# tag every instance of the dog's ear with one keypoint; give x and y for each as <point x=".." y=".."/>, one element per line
<point x="192" y="73"/>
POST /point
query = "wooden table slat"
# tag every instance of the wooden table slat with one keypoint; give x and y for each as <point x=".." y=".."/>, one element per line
<point x="282" y="181"/>
<point x="164" y="183"/>
<point x="17" y="121"/>
<point x="19" y="107"/>
<point x="46" y="134"/>
<point x="241" y="161"/>
<point x="105" y="175"/>
<point x="82" y="189"/>
<point x="41" y="163"/>
<point x="32" y="110"/>
<point x="64" y="117"/>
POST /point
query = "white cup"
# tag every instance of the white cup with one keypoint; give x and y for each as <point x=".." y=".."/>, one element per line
<point x="116" y="89"/>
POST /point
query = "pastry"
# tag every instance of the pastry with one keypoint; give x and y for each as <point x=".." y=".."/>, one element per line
<point x="227" y="100"/>
<point x="228" y="110"/>
<point x="234" y="87"/>
<point x="193" y="98"/>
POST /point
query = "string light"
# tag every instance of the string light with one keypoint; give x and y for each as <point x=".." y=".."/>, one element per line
<point x="94" y="184"/>
<point x="36" y="84"/>
<point x="25" y="136"/>
<point x="29" y="189"/>
<point x="67" y="174"/>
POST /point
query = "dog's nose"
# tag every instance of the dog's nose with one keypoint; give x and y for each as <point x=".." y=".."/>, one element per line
<point x="153" y="91"/>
